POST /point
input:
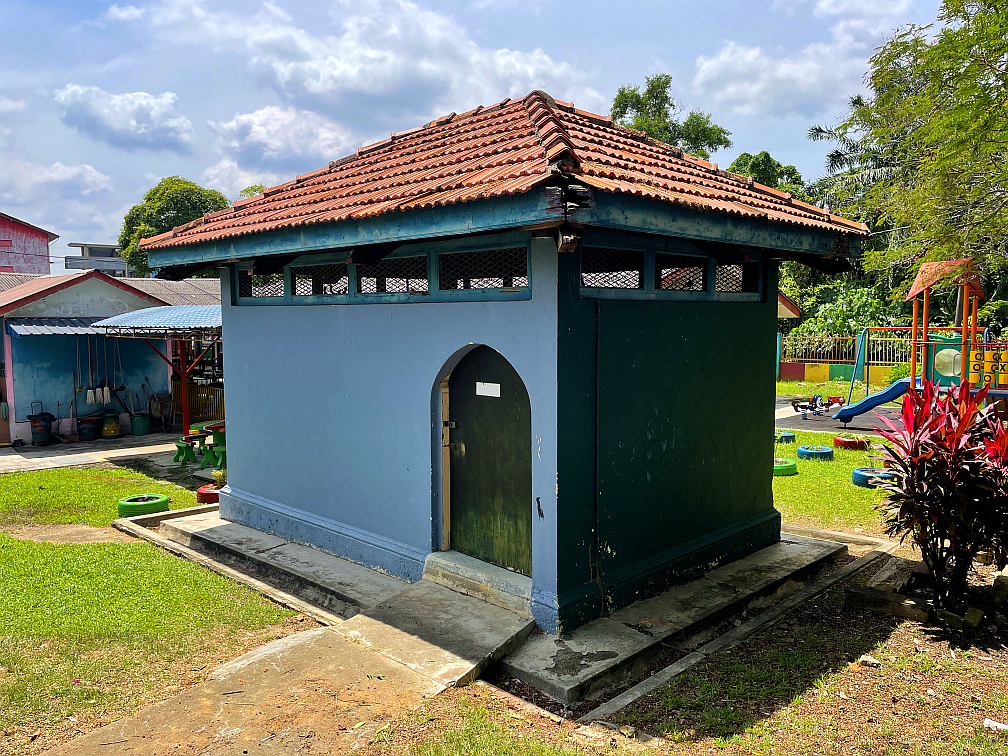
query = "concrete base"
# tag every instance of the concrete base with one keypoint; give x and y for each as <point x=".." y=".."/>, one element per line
<point x="334" y="584"/>
<point x="611" y="652"/>
<point x="495" y="585"/>
<point x="443" y="635"/>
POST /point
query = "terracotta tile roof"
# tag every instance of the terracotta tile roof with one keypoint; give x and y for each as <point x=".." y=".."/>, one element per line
<point x="42" y="286"/>
<point x="507" y="148"/>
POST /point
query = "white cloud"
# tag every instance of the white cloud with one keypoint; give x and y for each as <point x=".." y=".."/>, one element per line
<point x="123" y="13"/>
<point x="12" y="106"/>
<point x="820" y="76"/>
<point x="134" y="120"/>
<point x="229" y="178"/>
<point x="22" y="182"/>
<point x="284" y="137"/>
<point x="383" y="50"/>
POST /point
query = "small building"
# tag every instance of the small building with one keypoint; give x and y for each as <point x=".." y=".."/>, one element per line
<point x="52" y="354"/>
<point x="523" y="333"/>
<point x="103" y="257"/>
<point x="24" y="248"/>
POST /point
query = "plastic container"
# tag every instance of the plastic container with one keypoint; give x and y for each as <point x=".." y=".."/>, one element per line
<point x="41" y="425"/>
<point x="110" y="425"/>
<point x="140" y="425"/>
<point x="89" y="428"/>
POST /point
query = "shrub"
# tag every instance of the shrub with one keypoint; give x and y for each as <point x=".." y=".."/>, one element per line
<point x="948" y="492"/>
<point x="898" y="373"/>
<point x="220" y="478"/>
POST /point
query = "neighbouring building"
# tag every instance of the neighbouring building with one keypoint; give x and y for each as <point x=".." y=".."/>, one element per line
<point x="24" y="248"/>
<point x="513" y="333"/>
<point x="103" y="257"/>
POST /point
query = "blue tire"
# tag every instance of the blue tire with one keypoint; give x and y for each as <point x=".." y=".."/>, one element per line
<point x="784" y="437"/>
<point x="868" y="477"/>
<point x="822" y="453"/>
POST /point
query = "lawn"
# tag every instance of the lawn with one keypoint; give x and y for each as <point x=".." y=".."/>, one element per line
<point x="80" y="495"/>
<point x="797" y="688"/>
<point x="822" y="495"/>
<point x="90" y="631"/>
<point x="806" y="389"/>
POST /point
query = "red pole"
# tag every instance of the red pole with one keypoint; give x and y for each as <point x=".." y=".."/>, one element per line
<point x="913" y="348"/>
<point x="183" y="384"/>
<point x="924" y="335"/>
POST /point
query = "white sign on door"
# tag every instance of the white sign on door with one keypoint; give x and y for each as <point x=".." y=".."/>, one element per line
<point x="487" y="389"/>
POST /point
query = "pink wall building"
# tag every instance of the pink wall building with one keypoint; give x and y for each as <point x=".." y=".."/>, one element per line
<point x="24" y="248"/>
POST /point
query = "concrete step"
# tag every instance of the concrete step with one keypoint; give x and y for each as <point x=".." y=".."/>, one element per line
<point x="334" y="584"/>
<point x="465" y="574"/>
<point x="618" y="650"/>
<point x="445" y="636"/>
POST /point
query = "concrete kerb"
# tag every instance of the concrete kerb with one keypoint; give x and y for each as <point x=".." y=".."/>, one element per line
<point x="141" y="527"/>
<point x="834" y="535"/>
<point x="733" y="637"/>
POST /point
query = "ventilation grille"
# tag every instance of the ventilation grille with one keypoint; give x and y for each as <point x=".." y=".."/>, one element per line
<point x="738" y="278"/>
<point x="680" y="273"/>
<point x="485" y="269"/>
<point x="398" y="275"/>
<point x="605" y="268"/>
<point x="259" y="285"/>
<point x="320" y="280"/>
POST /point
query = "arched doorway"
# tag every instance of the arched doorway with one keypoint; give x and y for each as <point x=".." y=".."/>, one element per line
<point x="489" y="453"/>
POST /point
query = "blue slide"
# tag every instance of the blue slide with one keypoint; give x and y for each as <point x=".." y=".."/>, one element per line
<point x="848" y="412"/>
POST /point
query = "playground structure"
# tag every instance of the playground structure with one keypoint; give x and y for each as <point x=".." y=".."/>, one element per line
<point x="940" y="357"/>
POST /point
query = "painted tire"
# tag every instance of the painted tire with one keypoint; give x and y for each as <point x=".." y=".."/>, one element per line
<point x="868" y="477"/>
<point x="143" y="504"/>
<point x="783" y="466"/>
<point x="784" y="437"/>
<point x="207" y="494"/>
<point x="822" y="453"/>
<point x="855" y="444"/>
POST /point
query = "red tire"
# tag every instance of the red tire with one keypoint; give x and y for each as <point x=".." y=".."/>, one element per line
<point x="855" y="444"/>
<point x="207" y="494"/>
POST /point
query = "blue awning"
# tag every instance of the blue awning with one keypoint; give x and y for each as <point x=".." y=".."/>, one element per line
<point x="54" y="326"/>
<point x="176" y="321"/>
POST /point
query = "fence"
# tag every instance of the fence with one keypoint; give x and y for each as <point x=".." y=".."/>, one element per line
<point x="205" y="402"/>
<point x="842" y="350"/>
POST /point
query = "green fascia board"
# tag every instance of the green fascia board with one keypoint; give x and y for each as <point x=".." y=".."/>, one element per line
<point x="650" y="216"/>
<point x="537" y="207"/>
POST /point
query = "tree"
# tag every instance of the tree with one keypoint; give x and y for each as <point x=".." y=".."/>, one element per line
<point x="654" y="112"/>
<point x="251" y="191"/>
<point x="173" y="202"/>
<point x="769" y="172"/>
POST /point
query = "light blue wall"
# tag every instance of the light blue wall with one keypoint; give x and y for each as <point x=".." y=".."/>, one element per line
<point x="43" y="368"/>
<point x="332" y="414"/>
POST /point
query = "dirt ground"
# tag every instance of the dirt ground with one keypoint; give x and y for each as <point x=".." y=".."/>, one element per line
<point x="68" y="533"/>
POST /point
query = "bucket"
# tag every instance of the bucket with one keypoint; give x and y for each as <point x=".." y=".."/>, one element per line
<point x="41" y="425"/>
<point x="110" y="425"/>
<point x="140" y="425"/>
<point x="88" y="428"/>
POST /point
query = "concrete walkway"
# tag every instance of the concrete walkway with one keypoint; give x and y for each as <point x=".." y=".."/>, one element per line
<point x="84" y="452"/>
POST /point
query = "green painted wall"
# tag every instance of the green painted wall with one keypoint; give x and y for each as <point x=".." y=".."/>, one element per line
<point x="683" y="441"/>
<point x="841" y="372"/>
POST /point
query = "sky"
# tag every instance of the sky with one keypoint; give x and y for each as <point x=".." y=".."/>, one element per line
<point x="99" y="101"/>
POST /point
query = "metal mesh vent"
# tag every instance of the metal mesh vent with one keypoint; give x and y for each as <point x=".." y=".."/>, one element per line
<point x="259" y="285"/>
<point x="605" y="268"/>
<point x="485" y="269"/>
<point x="680" y="273"/>
<point x="320" y="280"/>
<point x="738" y="278"/>
<point x="398" y="275"/>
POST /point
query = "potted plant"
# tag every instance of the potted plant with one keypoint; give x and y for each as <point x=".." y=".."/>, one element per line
<point x="852" y="441"/>
<point x="208" y="494"/>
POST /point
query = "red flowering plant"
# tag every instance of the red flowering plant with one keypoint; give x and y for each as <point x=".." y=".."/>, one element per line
<point x="942" y="491"/>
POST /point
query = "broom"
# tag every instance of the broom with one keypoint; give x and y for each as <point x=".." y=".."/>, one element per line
<point x="90" y="399"/>
<point x="108" y="392"/>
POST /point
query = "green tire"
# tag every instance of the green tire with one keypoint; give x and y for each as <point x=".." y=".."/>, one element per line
<point x="142" y="504"/>
<point x="783" y="466"/>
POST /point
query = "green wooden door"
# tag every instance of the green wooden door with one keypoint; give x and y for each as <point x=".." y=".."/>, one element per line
<point x="491" y="461"/>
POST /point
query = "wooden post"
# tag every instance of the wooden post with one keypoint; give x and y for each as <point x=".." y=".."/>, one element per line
<point x="183" y="383"/>
<point x="913" y="348"/>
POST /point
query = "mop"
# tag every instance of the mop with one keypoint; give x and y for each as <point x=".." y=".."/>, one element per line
<point x="90" y="399"/>
<point x="108" y="391"/>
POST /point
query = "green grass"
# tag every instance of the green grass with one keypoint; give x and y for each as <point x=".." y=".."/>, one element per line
<point x="806" y="389"/>
<point x="85" y="495"/>
<point x="89" y="629"/>
<point x="821" y="494"/>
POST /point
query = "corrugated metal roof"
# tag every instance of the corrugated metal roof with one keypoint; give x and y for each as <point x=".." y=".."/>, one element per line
<point x="188" y="291"/>
<point x="51" y="326"/>
<point x="169" y="319"/>
<point x="10" y="280"/>
<point x="508" y="148"/>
